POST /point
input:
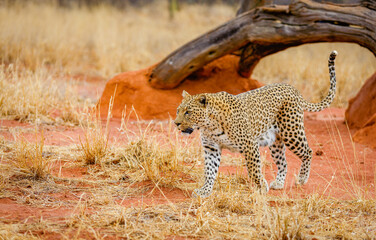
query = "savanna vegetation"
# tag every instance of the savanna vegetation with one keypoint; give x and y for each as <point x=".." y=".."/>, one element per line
<point x="88" y="183"/>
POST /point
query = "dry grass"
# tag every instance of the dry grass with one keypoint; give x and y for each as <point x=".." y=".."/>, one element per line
<point x="42" y="96"/>
<point x="94" y="146"/>
<point x="257" y="217"/>
<point x="101" y="40"/>
<point x="148" y="155"/>
<point x="29" y="159"/>
<point x="156" y="164"/>
<point x="105" y="41"/>
<point x="154" y="152"/>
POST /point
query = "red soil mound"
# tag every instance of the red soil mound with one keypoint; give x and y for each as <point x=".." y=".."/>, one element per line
<point x="363" y="105"/>
<point x="132" y="89"/>
<point x="361" y="113"/>
<point x="367" y="134"/>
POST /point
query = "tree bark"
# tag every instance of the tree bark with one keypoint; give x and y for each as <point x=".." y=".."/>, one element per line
<point x="247" y="5"/>
<point x="267" y="30"/>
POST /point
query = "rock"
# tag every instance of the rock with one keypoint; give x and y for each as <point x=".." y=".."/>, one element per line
<point x="361" y="113"/>
<point x="363" y="105"/>
<point x="132" y="89"/>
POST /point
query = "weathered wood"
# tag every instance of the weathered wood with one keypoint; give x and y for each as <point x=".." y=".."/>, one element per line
<point x="254" y="52"/>
<point x="267" y="30"/>
<point x="247" y="5"/>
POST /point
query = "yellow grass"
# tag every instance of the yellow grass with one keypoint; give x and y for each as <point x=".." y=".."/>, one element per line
<point x="101" y="40"/>
<point x="42" y="96"/>
<point x="29" y="159"/>
<point x="105" y="41"/>
<point x="154" y="153"/>
<point x="94" y="145"/>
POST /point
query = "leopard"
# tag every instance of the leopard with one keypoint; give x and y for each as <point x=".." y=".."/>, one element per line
<point x="270" y="116"/>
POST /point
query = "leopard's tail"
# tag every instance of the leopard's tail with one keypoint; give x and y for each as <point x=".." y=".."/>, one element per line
<point x="315" y="107"/>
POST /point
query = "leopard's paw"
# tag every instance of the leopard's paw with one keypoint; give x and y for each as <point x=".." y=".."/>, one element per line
<point x="276" y="185"/>
<point x="203" y="193"/>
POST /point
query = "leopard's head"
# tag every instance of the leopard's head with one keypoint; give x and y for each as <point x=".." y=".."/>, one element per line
<point x="191" y="114"/>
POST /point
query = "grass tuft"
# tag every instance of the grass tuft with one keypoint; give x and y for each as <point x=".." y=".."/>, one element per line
<point x="157" y="164"/>
<point x="285" y="226"/>
<point x="94" y="145"/>
<point x="29" y="159"/>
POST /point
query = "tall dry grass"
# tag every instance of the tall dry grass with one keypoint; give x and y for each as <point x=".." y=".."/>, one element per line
<point x="160" y="155"/>
<point x="100" y="40"/>
<point x="40" y="96"/>
<point x="95" y="143"/>
<point x="153" y="151"/>
<point x="29" y="159"/>
<point x="105" y="41"/>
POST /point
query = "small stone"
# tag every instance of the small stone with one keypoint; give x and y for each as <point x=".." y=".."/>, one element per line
<point x="319" y="152"/>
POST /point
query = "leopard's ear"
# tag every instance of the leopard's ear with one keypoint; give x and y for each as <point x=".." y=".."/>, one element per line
<point x="185" y="94"/>
<point x="202" y="100"/>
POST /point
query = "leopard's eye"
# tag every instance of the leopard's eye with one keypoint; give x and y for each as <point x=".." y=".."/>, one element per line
<point x="186" y="113"/>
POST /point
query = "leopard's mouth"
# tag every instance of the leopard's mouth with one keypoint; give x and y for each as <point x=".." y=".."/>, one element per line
<point x="187" y="130"/>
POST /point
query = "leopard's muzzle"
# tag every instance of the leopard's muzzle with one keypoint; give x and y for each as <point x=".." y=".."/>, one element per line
<point x="188" y="130"/>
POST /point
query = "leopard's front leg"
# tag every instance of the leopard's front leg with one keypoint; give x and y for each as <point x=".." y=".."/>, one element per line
<point x="212" y="154"/>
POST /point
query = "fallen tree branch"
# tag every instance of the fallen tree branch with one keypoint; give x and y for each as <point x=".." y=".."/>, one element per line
<point x="247" y="5"/>
<point x="267" y="30"/>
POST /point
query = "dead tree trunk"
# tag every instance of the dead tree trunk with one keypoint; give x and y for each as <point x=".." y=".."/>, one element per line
<point x="246" y="5"/>
<point x="267" y="30"/>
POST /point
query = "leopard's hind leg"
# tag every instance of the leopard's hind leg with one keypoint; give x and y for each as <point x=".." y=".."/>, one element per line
<point x="291" y="127"/>
<point x="277" y="151"/>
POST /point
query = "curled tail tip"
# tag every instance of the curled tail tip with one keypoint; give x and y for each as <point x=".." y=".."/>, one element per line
<point x="333" y="54"/>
